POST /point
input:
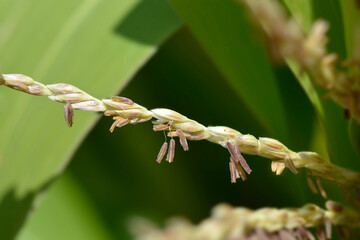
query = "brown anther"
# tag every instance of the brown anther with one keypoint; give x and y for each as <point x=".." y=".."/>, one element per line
<point x="182" y="139"/>
<point x="327" y="227"/>
<point x="285" y="235"/>
<point x="242" y="160"/>
<point x="321" y="189"/>
<point x="120" y="122"/>
<point x="160" y="127"/>
<point x="261" y="234"/>
<point x="233" y="172"/>
<point x="68" y="114"/>
<point x="239" y="169"/>
<point x="290" y="164"/>
<point x="162" y="152"/>
<point x="171" y="151"/>
<point x="310" y="182"/>
<point x="320" y="233"/>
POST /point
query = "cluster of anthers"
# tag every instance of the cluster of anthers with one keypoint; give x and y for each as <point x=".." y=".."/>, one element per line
<point x="227" y="222"/>
<point x="290" y="42"/>
<point x="125" y="111"/>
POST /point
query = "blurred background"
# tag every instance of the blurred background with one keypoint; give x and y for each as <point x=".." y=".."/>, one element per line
<point x="208" y="63"/>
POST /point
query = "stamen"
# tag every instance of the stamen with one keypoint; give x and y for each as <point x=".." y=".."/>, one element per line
<point x="162" y="152"/>
<point x="261" y="234"/>
<point x="304" y="233"/>
<point x="68" y="114"/>
<point x="277" y="167"/>
<point x="231" y="149"/>
<point x="321" y="189"/>
<point x="240" y="171"/>
<point x="232" y="172"/>
<point x="120" y="122"/>
<point x="182" y="139"/>
<point x="311" y="183"/>
<point x="320" y="234"/>
<point x="290" y="165"/>
<point x="242" y="160"/>
<point x="285" y="235"/>
<point x="328" y="227"/>
<point x="171" y="151"/>
<point x="160" y="127"/>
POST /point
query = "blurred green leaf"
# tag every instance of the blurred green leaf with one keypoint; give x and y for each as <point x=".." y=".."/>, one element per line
<point x="66" y="212"/>
<point x="331" y="116"/>
<point x="226" y="34"/>
<point x="92" y="44"/>
<point x="302" y="11"/>
<point x="351" y="19"/>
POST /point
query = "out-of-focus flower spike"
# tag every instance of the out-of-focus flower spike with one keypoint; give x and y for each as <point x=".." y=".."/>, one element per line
<point x="162" y="152"/>
<point x="171" y="151"/>
<point x="285" y="235"/>
<point x="122" y="100"/>
<point x="321" y="189"/>
<point x="277" y="167"/>
<point x="261" y="234"/>
<point x="320" y="233"/>
<point x="328" y="227"/>
<point x="242" y="160"/>
<point x="68" y="114"/>
<point x="311" y="183"/>
<point x="304" y="233"/>
<point x="182" y="139"/>
<point x="290" y="165"/>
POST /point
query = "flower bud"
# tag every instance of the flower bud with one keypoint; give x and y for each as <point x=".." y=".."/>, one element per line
<point x="168" y="115"/>
<point x="91" y="106"/>
<point x="9" y="78"/>
<point x="221" y="135"/>
<point x="39" y="89"/>
<point x="71" y="97"/>
<point x="189" y="126"/>
<point x="63" y="88"/>
<point x="118" y="105"/>
<point x="249" y="144"/>
<point x="271" y="148"/>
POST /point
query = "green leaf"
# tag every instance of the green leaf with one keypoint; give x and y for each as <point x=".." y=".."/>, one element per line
<point x="302" y="11"/>
<point x="223" y="30"/>
<point x="92" y="44"/>
<point x="66" y="212"/>
<point x="351" y="19"/>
